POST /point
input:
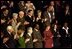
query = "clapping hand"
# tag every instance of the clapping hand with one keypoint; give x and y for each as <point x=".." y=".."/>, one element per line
<point x="35" y="40"/>
<point x="25" y="23"/>
<point x="27" y="40"/>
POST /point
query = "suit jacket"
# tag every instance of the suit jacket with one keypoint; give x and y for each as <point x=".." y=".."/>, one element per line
<point x="37" y="35"/>
<point x="29" y="44"/>
<point x="22" y="20"/>
<point x="46" y="15"/>
<point x="11" y="42"/>
<point x="3" y="46"/>
<point x="63" y="33"/>
<point x="65" y="38"/>
<point x="30" y="20"/>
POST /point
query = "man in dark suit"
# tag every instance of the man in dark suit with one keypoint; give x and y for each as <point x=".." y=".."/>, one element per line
<point x="4" y="41"/>
<point x="11" y="42"/>
<point x="29" y="18"/>
<point x="65" y="36"/>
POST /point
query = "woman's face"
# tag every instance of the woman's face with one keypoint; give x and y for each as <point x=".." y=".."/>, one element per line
<point x="48" y="27"/>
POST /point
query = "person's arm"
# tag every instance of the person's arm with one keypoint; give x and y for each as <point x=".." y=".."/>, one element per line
<point x="9" y="21"/>
<point x="27" y="39"/>
<point x="44" y="36"/>
<point x="16" y="36"/>
<point x="18" y="24"/>
<point x="26" y="23"/>
<point x="2" y="21"/>
<point x="35" y="37"/>
<point x="32" y="5"/>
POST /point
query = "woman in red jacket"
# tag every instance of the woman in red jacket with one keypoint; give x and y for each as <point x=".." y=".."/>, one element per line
<point x="48" y="37"/>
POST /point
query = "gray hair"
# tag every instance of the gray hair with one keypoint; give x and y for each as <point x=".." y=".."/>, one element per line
<point x="21" y="12"/>
<point x="9" y="27"/>
<point x="15" y="14"/>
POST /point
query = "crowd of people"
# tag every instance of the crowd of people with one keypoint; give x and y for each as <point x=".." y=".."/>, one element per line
<point x="41" y="24"/>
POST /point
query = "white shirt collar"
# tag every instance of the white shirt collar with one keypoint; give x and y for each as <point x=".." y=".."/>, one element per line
<point x="65" y="28"/>
<point x="9" y="32"/>
<point x="29" y="16"/>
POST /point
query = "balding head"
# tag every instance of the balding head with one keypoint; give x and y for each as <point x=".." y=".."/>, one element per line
<point x="21" y="14"/>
